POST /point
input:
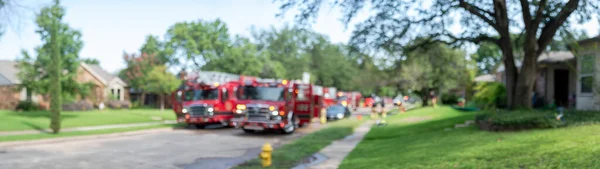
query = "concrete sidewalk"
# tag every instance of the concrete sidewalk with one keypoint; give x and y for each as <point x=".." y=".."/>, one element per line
<point x="87" y="128"/>
<point x="332" y="156"/>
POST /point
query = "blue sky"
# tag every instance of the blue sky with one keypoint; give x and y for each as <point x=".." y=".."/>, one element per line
<point x="110" y="27"/>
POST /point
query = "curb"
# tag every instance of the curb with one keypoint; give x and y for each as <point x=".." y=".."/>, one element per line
<point x="82" y="138"/>
<point x="86" y="128"/>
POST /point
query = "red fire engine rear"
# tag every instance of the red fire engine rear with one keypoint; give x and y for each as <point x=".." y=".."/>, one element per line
<point x="349" y="99"/>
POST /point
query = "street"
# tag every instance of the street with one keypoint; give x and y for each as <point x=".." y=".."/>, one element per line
<point x="161" y="148"/>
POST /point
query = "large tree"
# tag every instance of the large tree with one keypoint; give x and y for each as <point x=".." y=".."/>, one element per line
<point x="161" y="82"/>
<point x="137" y="70"/>
<point x="287" y="46"/>
<point x="396" y="22"/>
<point x="330" y="65"/>
<point x="241" y="58"/>
<point x="434" y="67"/>
<point x="54" y="69"/>
<point x="197" y="42"/>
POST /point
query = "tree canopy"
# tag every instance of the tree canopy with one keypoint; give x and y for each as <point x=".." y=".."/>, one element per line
<point x="54" y="69"/>
<point x="271" y="53"/>
<point x="161" y="82"/>
<point x="394" y="23"/>
<point x="197" y="42"/>
<point x="35" y="71"/>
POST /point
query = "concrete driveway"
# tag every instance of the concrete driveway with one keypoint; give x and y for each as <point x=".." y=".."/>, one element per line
<point x="160" y="148"/>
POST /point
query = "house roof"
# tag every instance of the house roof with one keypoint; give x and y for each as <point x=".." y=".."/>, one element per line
<point x="103" y="75"/>
<point x="8" y="73"/>
<point x="546" y="57"/>
<point x="559" y="56"/>
<point x="594" y="39"/>
<point x="485" y="78"/>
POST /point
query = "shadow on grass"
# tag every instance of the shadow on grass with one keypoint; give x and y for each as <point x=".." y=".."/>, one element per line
<point x="429" y="145"/>
<point x="35" y="127"/>
<point x="38" y="114"/>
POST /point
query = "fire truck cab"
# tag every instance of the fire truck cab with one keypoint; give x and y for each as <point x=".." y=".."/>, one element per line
<point x="291" y="106"/>
<point x="208" y="98"/>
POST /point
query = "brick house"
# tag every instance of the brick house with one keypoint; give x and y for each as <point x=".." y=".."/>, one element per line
<point x="9" y="91"/>
<point x="106" y="86"/>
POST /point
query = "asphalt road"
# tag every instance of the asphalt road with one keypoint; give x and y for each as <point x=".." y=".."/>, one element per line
<point x="161" y="148"/>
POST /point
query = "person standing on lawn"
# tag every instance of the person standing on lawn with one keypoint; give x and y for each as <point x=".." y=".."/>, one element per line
<point x="433" y="98"/>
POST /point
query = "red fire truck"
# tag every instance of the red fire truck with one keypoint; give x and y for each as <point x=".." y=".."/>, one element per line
<point x="277" y="106"/>
<point x="207" y="98"/>
<point x="349" y="99"/>
<point x="330" y="96"/>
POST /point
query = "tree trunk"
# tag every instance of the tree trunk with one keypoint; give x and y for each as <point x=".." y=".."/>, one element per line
<point x="162" y="102"/>
<point x="55" y="73"/>
<point x="526" y="79"/>
<point x="425" y="97"/>
<point x="510" y="70"/>
<point x="142" y="98"/>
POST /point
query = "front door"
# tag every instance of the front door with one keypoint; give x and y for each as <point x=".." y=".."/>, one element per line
<point x="561" y="87"/>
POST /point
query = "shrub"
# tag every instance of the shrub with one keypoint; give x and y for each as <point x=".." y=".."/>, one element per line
<point x="450" y="99"/>
<point x="27" y="106"/>
<point x="490" y="95"/>
<point x="116" y="104"/>
<point x="529" y="119"/>
<point x="78" y="106"/>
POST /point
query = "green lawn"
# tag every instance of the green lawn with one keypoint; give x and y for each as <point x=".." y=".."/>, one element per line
<point x="417" y="139"/>
<point x="79" y="133"/>
<point x="292" y="154"/>
<point x="13" y="121"/>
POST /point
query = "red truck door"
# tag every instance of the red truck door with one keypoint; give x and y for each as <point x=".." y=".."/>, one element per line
<point x="302" y="102"/>
<point x="176" y="100"/>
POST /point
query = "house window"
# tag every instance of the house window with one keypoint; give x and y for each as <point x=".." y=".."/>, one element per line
<point x="587" y="83"/>
<point x="118" y="94"/>
<point x="586" y="76"/>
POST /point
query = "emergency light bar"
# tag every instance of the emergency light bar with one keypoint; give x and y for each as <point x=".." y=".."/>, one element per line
<point x="209" y="77"/>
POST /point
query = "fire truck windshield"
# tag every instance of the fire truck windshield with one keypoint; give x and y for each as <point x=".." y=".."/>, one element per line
<point x="210" y="94"/>
<point x="261" y="93"/>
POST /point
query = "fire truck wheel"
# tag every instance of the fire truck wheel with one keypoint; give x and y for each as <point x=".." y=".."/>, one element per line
<point x="200" y="126"/>
<point x="292" y="124"/>
<point x="248" y="131"/>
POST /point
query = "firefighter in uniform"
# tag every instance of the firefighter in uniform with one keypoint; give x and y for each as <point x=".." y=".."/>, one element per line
<point x="378" y="110"/>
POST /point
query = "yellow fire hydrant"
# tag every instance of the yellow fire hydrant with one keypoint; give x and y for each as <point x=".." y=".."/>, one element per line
<point x="265" y="155"/>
